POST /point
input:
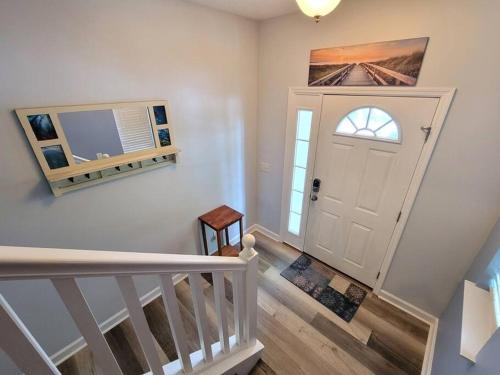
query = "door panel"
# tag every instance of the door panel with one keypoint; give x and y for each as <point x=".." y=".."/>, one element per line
<point x="374" y="180"/>
<point x="357" y="244"/>
<point x="329" y="227"/>
<point x="339" y="163"/>
<point x="364" y="181"/>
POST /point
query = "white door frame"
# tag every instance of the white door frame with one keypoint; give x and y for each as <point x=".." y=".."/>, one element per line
<point x="445" y="96"/>
<point x="312" y="103"/>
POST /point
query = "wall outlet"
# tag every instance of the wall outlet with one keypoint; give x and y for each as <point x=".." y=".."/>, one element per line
<point x="264" y="167"/>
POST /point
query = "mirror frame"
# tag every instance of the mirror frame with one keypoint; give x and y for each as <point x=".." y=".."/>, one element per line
<point x="93" y="166"/>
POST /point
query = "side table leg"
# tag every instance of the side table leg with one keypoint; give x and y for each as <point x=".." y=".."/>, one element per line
<point x="241" y="234"/>
<point x="204" y="234"/>
<point x="227" y="236"/>
<point x="219" y="243"/>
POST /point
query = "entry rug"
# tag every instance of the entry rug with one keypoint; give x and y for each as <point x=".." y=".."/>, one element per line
<point x="324" y="285"/>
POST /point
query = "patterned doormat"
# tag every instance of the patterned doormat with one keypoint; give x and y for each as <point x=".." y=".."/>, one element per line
<point x="324" y="285"/>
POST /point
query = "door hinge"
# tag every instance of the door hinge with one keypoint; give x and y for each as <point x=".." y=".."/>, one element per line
<point x="378" y="275"/>
<point x="399" y="217"/>
<point x="427" y="131"/>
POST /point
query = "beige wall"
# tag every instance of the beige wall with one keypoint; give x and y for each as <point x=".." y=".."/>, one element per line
<point x="61" y="52"/>
<point x="460" y="196"/>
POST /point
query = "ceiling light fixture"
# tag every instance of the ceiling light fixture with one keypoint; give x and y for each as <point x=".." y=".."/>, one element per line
<point x="317" y="8"/>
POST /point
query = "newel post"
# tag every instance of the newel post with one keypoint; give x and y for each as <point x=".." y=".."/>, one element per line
<point x="251" y="257"/>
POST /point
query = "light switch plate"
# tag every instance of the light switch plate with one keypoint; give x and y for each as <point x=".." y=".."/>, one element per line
<point x="264" y="167"/>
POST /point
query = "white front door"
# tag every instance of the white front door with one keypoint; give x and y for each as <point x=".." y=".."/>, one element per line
<point x="367" y="151"/>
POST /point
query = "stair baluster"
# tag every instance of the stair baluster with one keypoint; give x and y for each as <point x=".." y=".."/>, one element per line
<point x="17" y="341"/>
<point x="139" y="322"/>
<point x="174" y="318"/>
<point x="200" y="311"/>
<point x="62" y="267"/>
<point x="221" y="309"/>
<point x="77" y="306"/>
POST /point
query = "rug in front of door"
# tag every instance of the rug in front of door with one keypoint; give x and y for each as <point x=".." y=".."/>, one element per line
<point x="327" y="287"/>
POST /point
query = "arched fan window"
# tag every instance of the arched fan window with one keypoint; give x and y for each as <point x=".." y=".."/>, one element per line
<point x="370" y="122"/>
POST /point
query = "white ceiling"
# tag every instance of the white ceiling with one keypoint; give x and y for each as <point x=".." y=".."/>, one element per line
<point x="253" y="9"/>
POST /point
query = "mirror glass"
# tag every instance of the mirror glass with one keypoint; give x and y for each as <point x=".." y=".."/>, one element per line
<point x="98" y="134"/>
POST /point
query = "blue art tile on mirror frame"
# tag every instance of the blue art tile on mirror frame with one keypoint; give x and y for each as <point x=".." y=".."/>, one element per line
<point x="42" y="126"/>
<point x="55" y="156"/>
<point x="164" y="136"/>
<point x="160" y="114"/>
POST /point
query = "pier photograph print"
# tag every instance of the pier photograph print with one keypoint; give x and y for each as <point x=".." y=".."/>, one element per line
<point x="393" y="63"/>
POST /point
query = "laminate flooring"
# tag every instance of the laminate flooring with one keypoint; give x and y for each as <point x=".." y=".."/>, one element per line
<point x="300" y="335"/>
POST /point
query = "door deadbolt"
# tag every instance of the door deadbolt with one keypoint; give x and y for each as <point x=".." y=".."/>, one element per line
<point x="316" y="185"/>
<point x="315" y="189"/>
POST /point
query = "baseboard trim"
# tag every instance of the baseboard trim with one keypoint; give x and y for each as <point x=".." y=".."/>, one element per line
<point x="264" y="231"/>
<point x="423" y="316"/>
<point x="77" y="345"/>
<point x="236" y="239"/>
<point x="257" y="228"/>
<point x="429" y="348"/>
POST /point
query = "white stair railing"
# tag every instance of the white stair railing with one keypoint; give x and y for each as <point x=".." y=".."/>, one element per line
<point x="63" y="267"/>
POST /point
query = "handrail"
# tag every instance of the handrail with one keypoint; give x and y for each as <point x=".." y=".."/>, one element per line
<point x="79" y="158"/>
<point x="63" y="267"/>
<point x="36" y="263"/>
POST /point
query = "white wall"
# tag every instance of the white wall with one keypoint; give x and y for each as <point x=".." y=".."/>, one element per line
<point x="96" y="51"/>
<point x="459" y="199"/>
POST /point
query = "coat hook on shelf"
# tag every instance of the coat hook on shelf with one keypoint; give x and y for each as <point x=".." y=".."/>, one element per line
<point x="154" y="159"/>
<point x="130" y="165"/>
<point x="71" y="179"/>
<point x="165" y="157"/>
<point x="118" y="168"/>
<point x="87" y="175"/>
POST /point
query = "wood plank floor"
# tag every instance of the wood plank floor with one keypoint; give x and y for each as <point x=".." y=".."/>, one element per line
<point x="300" y="335"/>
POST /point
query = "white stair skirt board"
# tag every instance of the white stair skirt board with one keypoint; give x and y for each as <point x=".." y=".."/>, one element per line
<point x="479" y="318"/>
<point x="240" y="361"/>
<point x="77" y="345"/>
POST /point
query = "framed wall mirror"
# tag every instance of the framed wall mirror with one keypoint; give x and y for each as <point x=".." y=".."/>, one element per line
<point x="86" y="144"/>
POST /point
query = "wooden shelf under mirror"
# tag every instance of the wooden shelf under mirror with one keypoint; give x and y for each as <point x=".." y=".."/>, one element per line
<point x="80" y="146"/>
<point x="110" y="163"/>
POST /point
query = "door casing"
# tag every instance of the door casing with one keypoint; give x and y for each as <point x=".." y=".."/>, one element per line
<point x="445" y="96"/>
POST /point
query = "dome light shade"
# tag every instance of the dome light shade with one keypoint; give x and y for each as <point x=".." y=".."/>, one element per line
<point x="317" y="8"/>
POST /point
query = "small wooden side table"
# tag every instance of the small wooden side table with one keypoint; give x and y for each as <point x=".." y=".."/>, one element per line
<point x="221" y="219"/>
